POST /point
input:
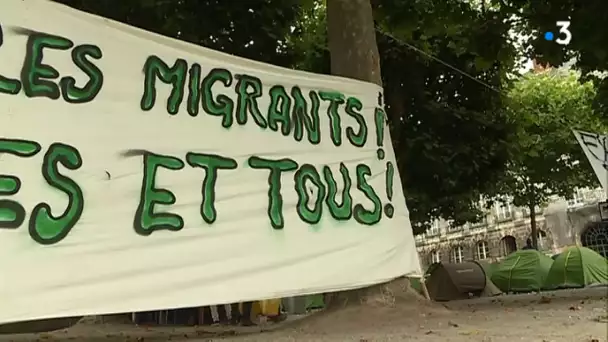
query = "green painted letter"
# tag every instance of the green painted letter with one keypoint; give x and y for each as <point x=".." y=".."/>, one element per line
<point x="344" y="211"/>
<point x="222" y="105"/>
<point x="146" y="220"/>
<point x="73" y="94"/>
<point x="211" y="164"/>
<point x="301" y="120"/>
<point x="12" y="213"/>
<point x="305" y="173"/>
<point x="249" y="100"/>
<point x="335" y="100"/>
<point x="175" y="75"/>
<point x="194" y="89"/>
<point x="362" y="215"/>
<point x="353" y="106"/>
<point x="8" y="85"/>
<point x="45" y="228"/>
<point x="275" y="199"/>
<point x="278" y="110"/>
<point x="36" y="76"/>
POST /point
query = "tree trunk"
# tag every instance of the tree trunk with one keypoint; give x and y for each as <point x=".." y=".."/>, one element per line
<point x="354" y="54"/>
<point x="533" y="228"/>
<point x="352" y="40"/>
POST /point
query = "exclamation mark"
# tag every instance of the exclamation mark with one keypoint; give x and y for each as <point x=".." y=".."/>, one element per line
<point x="389" y="210"/>
<point x="379" y="119"/>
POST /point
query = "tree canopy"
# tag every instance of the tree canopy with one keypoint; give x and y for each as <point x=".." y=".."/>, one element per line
<point x="254" y="29"/>
<point x="451" y="136"/>
<point x="548" y="160"/>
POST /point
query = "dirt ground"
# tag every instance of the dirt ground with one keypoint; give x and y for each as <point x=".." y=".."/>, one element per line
<point x="577" y="316"/>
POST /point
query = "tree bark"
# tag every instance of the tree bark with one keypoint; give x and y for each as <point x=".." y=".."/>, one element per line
<point x="533" y="228"/>
<point x="352" y="40"/>
<point x="354" y="54"/>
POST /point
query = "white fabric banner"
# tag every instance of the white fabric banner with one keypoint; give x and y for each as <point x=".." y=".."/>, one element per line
<point x="595" y="147"/>
<point x="143" y="173"/>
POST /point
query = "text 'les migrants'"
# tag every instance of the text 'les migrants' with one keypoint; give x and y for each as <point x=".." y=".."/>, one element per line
<point x="290" y="111"/>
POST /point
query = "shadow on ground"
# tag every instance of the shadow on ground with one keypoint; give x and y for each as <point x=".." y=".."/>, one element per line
<point x="569" y="315"/>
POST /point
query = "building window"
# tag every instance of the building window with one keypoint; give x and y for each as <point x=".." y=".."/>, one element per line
<point x="454" y="228"/>
<point x="435" y="257"/>
<point x="434" y="230"/>
<point x="483" y="250"/>
<point x="537" y="210"/>
<point x="541" y="239"/>
<point x="578" y="199"/>
<point x="457" y="254"/>
<point x="504" y="211"/>
<point x="508" y="245"/>
<point x="595" y="237"/>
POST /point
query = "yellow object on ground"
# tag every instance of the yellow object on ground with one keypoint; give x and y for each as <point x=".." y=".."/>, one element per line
<point x="256" y="309"/>
<point x="271" y="307"/>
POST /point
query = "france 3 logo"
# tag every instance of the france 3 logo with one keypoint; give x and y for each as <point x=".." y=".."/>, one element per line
<point x="564" y="35"/>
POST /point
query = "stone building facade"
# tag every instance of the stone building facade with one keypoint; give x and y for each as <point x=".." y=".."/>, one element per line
<point x="506" y="228"/>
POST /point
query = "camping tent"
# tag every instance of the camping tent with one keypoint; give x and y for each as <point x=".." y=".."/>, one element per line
<point x="522" y="271"/>
<point x="316" y="301"/>
<point x="488" y="267"/>
<point x="431" y="268"/>
<point x="416" y="284"/>
<point x="448" y="281"/>
<point x="577" y="267"/>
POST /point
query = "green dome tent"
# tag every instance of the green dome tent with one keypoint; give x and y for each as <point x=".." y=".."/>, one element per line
<point x="316" y="301"/>
<point x="577" y="267"/>
<point x="522" y="271"/>
<point x="416" y="284"/>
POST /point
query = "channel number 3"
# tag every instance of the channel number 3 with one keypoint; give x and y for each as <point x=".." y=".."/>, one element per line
<point x="565" y="34"/>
